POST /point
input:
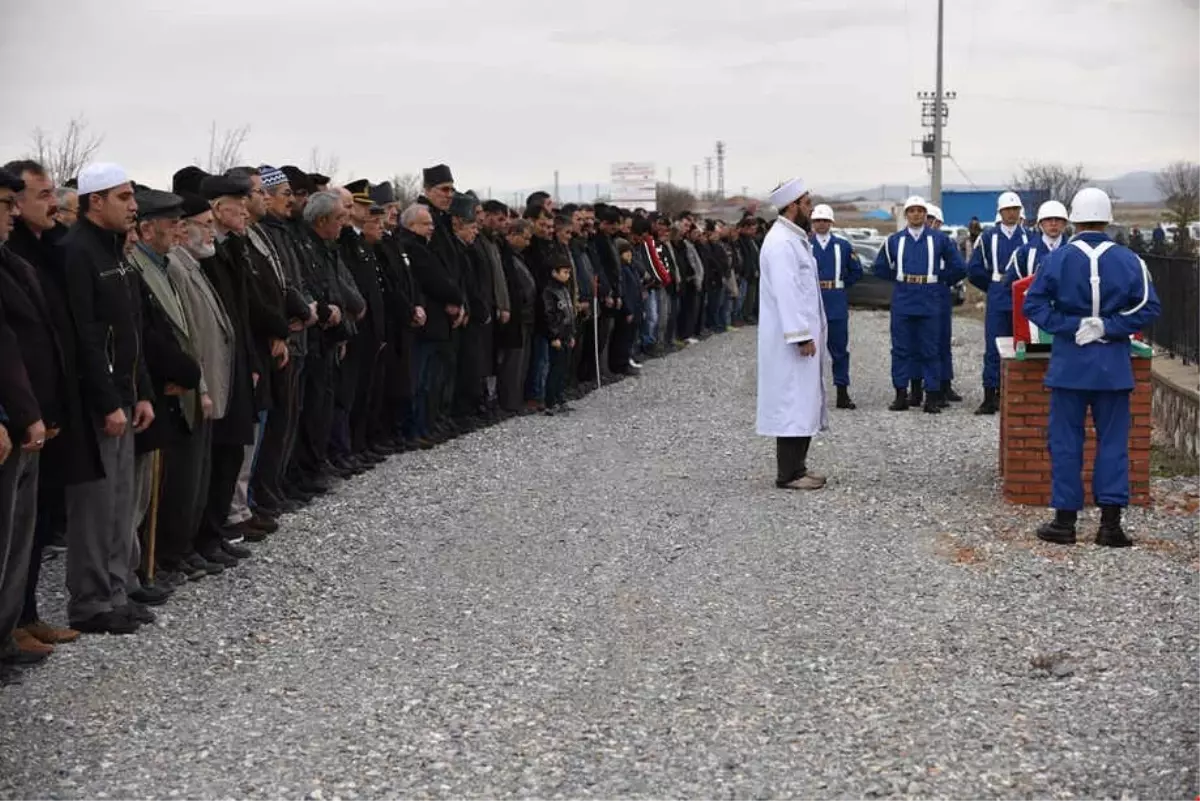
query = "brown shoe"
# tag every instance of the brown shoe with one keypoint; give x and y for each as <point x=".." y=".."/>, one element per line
<point x="29" y="644"/>
<point x="815" y="476"/>
<point x="51" y="635"/>
<point x="805" y="483"/>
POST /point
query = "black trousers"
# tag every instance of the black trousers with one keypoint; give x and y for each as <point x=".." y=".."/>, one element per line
<point x="266" y="483"/>
<point x="226" y="464"/>
<point x="312" y="445"/>
<point x="183" y="493"/>
<point x="366" y="418"/>
<point x="791" y="456"/>
<point x="556" y="378"/>
<point x="51" y="519"/>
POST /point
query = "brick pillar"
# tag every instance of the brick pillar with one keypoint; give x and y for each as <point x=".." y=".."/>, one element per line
<point x="1024" y="414"/>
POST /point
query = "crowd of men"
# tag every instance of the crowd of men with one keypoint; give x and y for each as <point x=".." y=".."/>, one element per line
<point x="179" y="369"/>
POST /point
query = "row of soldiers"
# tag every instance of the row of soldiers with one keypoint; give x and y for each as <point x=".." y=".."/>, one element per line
<point x="179" y="369"/>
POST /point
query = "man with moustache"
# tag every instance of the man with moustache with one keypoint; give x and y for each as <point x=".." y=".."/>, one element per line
<point x="437" y="196"/>
<point x="105" y="303"/>
<point x="186" y="470"/>
<point x="35" y="297"/>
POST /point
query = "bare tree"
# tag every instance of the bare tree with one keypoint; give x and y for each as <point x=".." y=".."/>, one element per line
<point x="64" y="156"/>
<point x="407" y="187"/>
<point x="325" y="165"/>
<point x="671" y="199"/>
<point x="1061" y="181"/>
<point x="225" y="148"/>
<point x="1179" y="185"/>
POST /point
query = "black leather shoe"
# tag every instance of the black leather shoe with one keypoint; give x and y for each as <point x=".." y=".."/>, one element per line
<point x="1110" y="534"/>
<point x="106" y="623"/>
<point x="137" y="612"/>
<point x="150" y="595"/>
<point x="991" y="401"/>
<point x="210" y="568"/>
<point x="236" y="550"/>
<point x="933" y="403"/>
<point x="949" y="394"/>
<point x="219" y="555"/>
<point x="916" y="394"/>
<point x="262" y="523"/>
<point x="843" y="399"/>
<point x="900" y="404"/>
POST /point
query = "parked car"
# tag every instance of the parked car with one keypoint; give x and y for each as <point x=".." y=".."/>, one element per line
<point x="873" y="292"/>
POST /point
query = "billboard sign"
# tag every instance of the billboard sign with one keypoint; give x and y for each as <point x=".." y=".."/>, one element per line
<point x="633" y="185"/>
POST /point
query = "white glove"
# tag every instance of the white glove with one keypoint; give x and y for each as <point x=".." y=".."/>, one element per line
<point x="1091" y="329"/>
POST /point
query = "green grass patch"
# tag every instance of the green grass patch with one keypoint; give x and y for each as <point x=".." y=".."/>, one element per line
<point x="1168" y="463"/>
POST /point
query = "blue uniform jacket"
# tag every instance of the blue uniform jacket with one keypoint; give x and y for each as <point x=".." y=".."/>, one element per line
<point x="988" y="262"/>
<point x="930" y="263"/>
<point x="1061" y="296"/>
<point x="838" y="270"/>
<point x="1027" y="259"/>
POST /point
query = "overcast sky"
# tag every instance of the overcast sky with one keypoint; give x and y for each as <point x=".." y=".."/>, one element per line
<point x="506" y="91"/>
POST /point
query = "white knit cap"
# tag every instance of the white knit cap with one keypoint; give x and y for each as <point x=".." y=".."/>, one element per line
<point x="101" y="176"/>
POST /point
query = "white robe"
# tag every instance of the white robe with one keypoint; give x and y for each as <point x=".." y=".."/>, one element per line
<point x="791" y="387"/>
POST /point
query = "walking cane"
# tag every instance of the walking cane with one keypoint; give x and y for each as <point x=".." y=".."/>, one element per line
<point x="152" y="526"/>
<point x="596" y="325"/>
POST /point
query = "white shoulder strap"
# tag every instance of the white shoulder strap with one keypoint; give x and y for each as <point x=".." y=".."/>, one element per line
<point x="1029" y="261"/>
<point x="996" y="255"/>
<point x="900" y="256"/>
<point x="837" y="264"/>
<point x="1145" y="288"/>
<point x="929" y="247"/>
<point x="1093" y="255"/>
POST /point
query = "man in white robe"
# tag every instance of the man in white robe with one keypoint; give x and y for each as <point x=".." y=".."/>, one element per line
<point x="791" y="340"/>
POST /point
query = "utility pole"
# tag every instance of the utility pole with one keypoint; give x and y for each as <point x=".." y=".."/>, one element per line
<point x="668" y="176"/>
<point x="935" y="188"/>
<point x="696" y="180"/>
<point x="556" y="200"/>
<point x="708" y="170"/>
<point x="720" y="169"/>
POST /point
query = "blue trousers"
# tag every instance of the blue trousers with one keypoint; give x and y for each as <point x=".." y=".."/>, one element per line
<point x="650" y="319"/>
<point x="1110" y="474"/>
<point x="712" y="308"/>
<point x="947" y="358"/>
<point x="995" y="324"/>
<point x="425" y="367"/>
<point x="915" y="349"/>
<point x="539" y="367"/>
<point x="837" y="339"/>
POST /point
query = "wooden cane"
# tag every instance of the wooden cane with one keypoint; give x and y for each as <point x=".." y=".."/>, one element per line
<point x="152" y="526"/>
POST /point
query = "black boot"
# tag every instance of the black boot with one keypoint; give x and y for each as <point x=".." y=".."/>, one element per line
<point x="900" y="404"/>
<point x="916" y="393"/>
<point x="843" y="398"/>
<point x="1111" y="535"/>
<point x="1060" y="530"/>
<point x="991" y="401"/>
<point x="933" y="402"/>
<point x="948" y="393"/>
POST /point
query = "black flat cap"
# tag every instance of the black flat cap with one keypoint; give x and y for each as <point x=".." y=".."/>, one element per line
<point x="193" y="205"/>
<point x="437" y="175"/>
<point x="383" y="193"/>
<point x="10" y="181"/>
<point x="215" y="186"/>
<point x="299" y="179"/>
<point x="376" y="210"/>
<point x="188" y="180"/>
<point x="157" y="205"/>
<point x="463" y="207"/>
<point x="317" y="178"/>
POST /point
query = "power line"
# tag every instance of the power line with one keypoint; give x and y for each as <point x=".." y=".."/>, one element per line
<point x="962" y="172"/>
<point x="1089" y="106"/>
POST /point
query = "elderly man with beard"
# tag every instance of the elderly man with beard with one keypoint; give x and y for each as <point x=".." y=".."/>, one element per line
<point x="172" y="361"/>
<point x="105" y="301"/>
<point x="186" y="469"/>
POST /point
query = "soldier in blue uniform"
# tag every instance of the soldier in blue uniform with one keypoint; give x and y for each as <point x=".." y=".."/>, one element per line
<point x="986" y="272"/>
<point x="920" y="260"/>
<point x="839" y="269"/>
<point x="945" y="356"/>
<point x="1051" y="221"/>
<point x="1092" y="295"/>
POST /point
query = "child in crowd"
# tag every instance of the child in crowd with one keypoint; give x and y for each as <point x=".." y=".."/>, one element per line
<point x="559" y="309"/>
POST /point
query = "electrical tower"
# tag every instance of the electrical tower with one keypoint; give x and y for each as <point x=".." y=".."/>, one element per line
<point x="708" y="170"/>
<point x="720" y="170"/>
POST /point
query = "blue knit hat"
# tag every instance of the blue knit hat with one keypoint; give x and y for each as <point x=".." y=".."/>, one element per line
<point x="271" y="176"/>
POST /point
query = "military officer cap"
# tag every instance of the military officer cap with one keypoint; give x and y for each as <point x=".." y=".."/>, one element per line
<point x="154" y="204"/>
<point x="360" y="190"/>
<point x="383" y="193"/>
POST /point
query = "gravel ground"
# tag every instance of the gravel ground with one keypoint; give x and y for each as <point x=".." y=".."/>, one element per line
<point x="620" y="603"/>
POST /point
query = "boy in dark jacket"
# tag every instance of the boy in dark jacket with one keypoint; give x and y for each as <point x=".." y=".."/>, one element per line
<point x="559" y="309"/>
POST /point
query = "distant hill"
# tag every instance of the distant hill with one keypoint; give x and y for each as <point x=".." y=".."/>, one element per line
<point x="1132" y="187"/>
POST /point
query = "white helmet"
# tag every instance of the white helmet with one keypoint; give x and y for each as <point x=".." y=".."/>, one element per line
<point x="1051" y="210"/>
<point x="935" y="212"/>
<point x="821" y="212"/>
<point x="1009" y="200"/>
<point x="915" y="201"/>
<point x="1091" y="205"/>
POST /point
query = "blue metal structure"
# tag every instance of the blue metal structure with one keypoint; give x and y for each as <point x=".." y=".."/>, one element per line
<point x="958" y="207"/>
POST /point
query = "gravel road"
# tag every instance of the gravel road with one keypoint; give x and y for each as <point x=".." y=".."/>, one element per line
<point x="619" y="603"/>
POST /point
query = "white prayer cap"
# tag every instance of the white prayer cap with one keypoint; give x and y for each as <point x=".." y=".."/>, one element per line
<point x="101" y="176"/>
<point x="822" y="212"/>
<point x="787" y="193"/>
<point x="916" y="201"/>
<point x="935" y="212"/>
